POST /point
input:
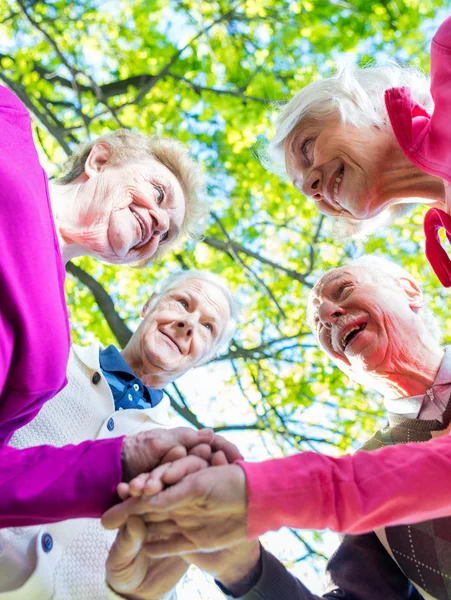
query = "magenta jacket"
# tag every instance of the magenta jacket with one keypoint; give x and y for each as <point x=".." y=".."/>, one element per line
<point x="426" y="141"/>
<point x="43" y="484"/>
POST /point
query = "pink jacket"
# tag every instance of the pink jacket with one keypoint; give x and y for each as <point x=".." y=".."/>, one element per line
<point x="426" y="141"/>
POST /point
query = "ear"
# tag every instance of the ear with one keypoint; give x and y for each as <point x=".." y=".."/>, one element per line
<point x="412" y="291"/>
<point x="97" y="159"/>
<point x="146" y="306"/>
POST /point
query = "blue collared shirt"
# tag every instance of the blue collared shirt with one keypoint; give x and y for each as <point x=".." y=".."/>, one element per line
<point x="127" y="389"/>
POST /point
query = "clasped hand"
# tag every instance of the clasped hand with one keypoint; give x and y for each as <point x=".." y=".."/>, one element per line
<point x="194" y="501"/>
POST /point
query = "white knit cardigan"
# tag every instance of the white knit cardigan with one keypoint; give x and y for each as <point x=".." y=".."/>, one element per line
<point x="74" y="568"/>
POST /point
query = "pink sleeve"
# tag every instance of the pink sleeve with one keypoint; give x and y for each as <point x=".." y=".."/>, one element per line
<point x="45" y="484"/>
<point x="395" y="485"/>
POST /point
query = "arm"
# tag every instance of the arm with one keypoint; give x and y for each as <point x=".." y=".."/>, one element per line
<point x="47" y="484"/>
<point x="221" y="506"/>
<point x="360" y="569"/>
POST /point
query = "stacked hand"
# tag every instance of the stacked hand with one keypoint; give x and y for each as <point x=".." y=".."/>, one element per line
<point x="175" y="510"/>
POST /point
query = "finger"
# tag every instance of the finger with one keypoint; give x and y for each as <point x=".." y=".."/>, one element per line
<point x="161" y="531"/>
<point x="180" y="469"/>
<point x="189" y="438"/>
<point x="128" y="543"/>
<point x="219" y="459"/>
<point x="122" y="490"/>
<point x="174" y="454"/>
<point x="136" y="485"/>
<point x="178" y="544"/>
<point x="202" y="451"/>
<point x="230" y="450"/>
<point x="117" y="515"/>
<point x="181" y="493"/>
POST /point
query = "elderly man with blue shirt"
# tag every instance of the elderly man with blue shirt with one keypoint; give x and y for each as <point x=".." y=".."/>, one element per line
<point x="186" y="322"/>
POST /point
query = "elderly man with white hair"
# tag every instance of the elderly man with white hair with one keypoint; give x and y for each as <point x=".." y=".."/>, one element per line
<point x="370" y="318"/>
<point x="186" y="322"/>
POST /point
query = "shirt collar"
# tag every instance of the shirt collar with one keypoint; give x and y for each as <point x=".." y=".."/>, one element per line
<point x="112" y="361"/>
<point x="411" y="407"/>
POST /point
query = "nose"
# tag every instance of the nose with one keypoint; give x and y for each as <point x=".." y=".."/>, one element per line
<point x="312" y="185"/>
<point x="187" y="327"/>
<point x="161" y="220"/>
<point x="329" y="312"/>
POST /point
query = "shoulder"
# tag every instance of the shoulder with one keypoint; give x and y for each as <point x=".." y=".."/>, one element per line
<point x="442" y="38"/>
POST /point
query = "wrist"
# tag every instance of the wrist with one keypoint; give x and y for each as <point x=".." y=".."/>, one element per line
<point x="241" y="579"/>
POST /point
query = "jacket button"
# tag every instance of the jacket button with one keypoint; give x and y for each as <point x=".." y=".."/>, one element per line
<point x="47" y="542"/>
<point x="96" y="378"/>
<point x="110" y="424"/>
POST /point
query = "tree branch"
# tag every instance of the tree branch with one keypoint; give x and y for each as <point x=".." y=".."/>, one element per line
<point x="106" y="304"/>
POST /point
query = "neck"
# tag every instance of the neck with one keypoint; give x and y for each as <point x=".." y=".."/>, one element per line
<point x="412" y="376"/>
<point x="154" y="378"/>
<point x="62" y="199"/>
<point x="401" y="181"/>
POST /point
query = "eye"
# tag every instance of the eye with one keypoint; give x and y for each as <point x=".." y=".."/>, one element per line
<point x="184" y="303"/>
<point x="160" y="194"/>
<point x="344" y="290"/>
<point x="305" y="148"/>
<point x="209" y="326"/>
<point x="164" y="236"/>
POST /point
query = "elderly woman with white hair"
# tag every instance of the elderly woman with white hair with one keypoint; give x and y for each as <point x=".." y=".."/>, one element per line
<point x="125" y="198"/>
<point x="368" y="142"/>
<point x="371" y="319"/>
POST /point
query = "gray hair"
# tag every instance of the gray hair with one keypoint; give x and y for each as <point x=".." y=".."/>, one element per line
<point x="384" y="267"/>
<point x="356" y="96"/>
<point x="128" y="146"/>
<point x="176" y="279"/>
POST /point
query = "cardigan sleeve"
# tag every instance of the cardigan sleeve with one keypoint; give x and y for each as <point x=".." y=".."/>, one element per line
<point x="360" y="569"/>
<point x="313" y="491"/>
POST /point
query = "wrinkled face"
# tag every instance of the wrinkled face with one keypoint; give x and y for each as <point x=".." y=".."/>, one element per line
<point x="365" y="323"/>
<point x="126" y="213"/>
<point x="184" y="327"/>
<point x="341" y="167"/>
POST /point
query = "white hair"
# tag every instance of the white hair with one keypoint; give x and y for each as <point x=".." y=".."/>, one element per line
<point x="376" y="265"/>
<point x="356" y="96"/>
<point x="177" y="279"/>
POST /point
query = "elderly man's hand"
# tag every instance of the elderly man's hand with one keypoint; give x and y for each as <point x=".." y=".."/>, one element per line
<point x="131" y="573"/>
<point x="143" y="452"/>
<point x="237" y="568"/>
<point x="206" y="510"/>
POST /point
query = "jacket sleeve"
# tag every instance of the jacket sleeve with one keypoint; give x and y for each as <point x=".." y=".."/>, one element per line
<point x="313" y="491"/>
<point x="45" y="484"/>
<point x="360" y="569"/>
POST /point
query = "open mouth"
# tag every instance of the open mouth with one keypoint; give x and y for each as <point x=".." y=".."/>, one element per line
<point x="173" y="341"/>
<point x="146" y="234"/>
<point x="350" y="335"/>
<point x="336" y="185"/>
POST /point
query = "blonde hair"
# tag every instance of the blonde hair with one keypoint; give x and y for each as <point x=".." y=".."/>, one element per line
<point x="127" y="146"/>
<point x="356" y="96"/>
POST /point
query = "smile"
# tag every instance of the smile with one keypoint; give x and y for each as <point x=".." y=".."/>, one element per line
<point x="174" y="343"/>
<point x="337" y="182"/>
<point x="351" y="334"/>
<point x="146" y="232"/>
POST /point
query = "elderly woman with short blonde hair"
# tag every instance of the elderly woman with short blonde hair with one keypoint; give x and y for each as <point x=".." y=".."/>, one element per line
<point x="365" y="143"/>
<point x="125" y="198"/>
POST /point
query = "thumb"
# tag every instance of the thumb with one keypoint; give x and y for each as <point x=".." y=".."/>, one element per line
<point x="128" y="543"/>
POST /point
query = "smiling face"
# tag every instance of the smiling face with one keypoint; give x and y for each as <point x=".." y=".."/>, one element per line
<point x="366" y="322"/>
<point x="181" y="331"/>
<point x="125" y="213"/>
<point x="342" y="167"/>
